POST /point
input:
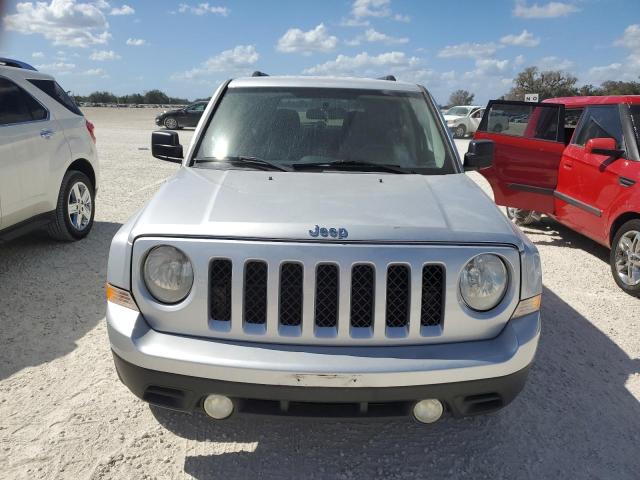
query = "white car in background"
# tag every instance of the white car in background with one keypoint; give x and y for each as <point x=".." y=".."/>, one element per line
<point x="48" y="160"/>
<point x="463" y="120"/>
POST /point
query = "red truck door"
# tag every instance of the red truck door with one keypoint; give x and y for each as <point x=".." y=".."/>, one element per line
<point x="602" y="183"/>
<point x="529" y="141"/>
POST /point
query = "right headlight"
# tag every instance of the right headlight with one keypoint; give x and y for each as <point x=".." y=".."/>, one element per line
<point x="168" y="274"/>
<point x="483" y="282"/>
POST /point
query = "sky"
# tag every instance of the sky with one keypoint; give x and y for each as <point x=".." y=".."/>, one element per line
<point x="186" y="48"/>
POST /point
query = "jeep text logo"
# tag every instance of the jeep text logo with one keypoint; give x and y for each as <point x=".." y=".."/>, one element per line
<point x="319" y="231"/>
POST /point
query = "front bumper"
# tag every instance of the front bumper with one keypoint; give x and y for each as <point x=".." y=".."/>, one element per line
<point x="159" y="121"/>
<point x="159" y="367"/>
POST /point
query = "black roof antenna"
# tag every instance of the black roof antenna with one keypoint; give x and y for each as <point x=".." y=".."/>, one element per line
<point x="258" y="73"/>
<point x="391" y="78"/>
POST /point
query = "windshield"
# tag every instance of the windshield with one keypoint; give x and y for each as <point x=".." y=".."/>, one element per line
<point x="294" y="126"/>
<point x="460" y="111"/>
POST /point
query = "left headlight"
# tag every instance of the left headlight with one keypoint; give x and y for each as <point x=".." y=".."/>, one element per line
<point x="483" y="282"/>
<point x="168" y="274"/>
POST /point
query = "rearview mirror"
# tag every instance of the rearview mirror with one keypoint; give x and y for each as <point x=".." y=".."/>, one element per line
<point x="165" y="145"/>
<point x="479" y="155"/>
<point x="603" y="146"/>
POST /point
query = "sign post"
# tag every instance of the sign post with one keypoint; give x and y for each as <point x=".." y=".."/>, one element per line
<point x="531" y="97"/>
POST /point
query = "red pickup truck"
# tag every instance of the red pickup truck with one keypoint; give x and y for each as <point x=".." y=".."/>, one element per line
<point x="577" y="160"/>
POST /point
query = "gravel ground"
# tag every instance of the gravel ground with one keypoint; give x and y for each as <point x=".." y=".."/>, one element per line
<point x="64" y="414"/>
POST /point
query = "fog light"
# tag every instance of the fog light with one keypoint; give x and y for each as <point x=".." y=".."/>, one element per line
<point x="428" y="411"/>
<point x="218" y="406"/>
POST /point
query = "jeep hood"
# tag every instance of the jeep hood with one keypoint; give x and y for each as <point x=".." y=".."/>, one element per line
<point x="287" y="205"/>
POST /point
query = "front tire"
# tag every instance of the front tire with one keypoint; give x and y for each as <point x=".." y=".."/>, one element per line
<point x="625" y="257"/>
<point x="460" y="131"/>
<point x="75" y="208"/>
<point x="170" y="123"/>
<point x="522" y="217"/>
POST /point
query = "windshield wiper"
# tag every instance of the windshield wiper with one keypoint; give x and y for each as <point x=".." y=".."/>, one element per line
<point x="351" y="165"/>
<point x="240" y="159"/>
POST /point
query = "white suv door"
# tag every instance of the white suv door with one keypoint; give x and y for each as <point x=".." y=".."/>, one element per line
<point x="29" y="138"/>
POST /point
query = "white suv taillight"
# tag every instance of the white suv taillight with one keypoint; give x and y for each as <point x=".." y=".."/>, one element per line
<point x="91" y="128"/>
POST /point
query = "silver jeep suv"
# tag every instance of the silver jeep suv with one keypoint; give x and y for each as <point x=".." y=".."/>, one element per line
<point x="321" y="251"/>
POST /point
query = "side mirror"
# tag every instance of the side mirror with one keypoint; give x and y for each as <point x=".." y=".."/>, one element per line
<point x="479" y="155"/>
<point x="165" y="145"/>
<point x="603" y="146"/>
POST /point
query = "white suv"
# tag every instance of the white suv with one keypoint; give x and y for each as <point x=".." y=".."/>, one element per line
<point x="48" y="160"/>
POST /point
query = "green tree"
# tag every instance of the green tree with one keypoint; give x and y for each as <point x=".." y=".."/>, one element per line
<point x="461" y="97"/>
<point x="548" y="84"/>
<point x="156" y="97"/>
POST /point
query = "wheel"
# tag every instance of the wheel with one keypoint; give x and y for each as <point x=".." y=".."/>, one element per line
<point x="497" y="128"/>
<point x="459" y="131"/>
<point x="625" y="257"/>
<point x="171" y="123"/>
<point x="522" y="217"/>
<point x="75" y="208"/>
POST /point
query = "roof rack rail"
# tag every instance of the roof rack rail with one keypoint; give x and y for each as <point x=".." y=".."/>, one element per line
<point x="390" y="78"/>
<point x="258" y="73"/>
<point x="8" y="62"/>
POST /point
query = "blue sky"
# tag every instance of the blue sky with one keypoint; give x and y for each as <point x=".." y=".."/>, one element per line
<point x="187" y="47"/>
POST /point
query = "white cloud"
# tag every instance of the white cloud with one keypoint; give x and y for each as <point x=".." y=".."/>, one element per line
<point x="104" y="55"/>
<point x="554" y="63"/>
<point x="136" y="42"/>
<point x="37" y="55"/>
<point x="519" y="60"/>
<point x="94" y="72"/>
<point x="525" y="39"/>
<point x="58" y="67"/>
<point x="628" y="69"/>
<point x="490" y="66"/>
<point x="202" y="9"/>
<point x="63" y="22"/>
<point x="362" y="9"/>
<point x="315" y="40"/>
<point x="363" y="63"/>
<point x="238" y="60"/>
<point x="371" y="35"/>
<point x="470" y="50"/>
<point x="123" y="10"/>
<point x="371" y="8"/>
<point x="547" y="10"/>
<point x="631" y="37"/>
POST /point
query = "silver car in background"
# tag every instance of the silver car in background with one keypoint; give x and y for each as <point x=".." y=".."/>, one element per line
<point x="321" y="251"/>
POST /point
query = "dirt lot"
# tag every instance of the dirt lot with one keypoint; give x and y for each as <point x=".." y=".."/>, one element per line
<point x="64" y="414"/>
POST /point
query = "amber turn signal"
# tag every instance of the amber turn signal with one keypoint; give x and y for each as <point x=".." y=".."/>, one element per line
<point x="120" y="297"/>
<point x="525" y="307"/>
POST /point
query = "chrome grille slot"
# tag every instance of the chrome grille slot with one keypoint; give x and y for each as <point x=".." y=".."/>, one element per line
<point x="398" y="296"/>
<point x="255" y="292"/>
<point x="290" y="304"/>
<point x="327" y="295"/>
<point x="220" y="290"/>
<point x="432" y="309"/>
<point x="362" y="296"/>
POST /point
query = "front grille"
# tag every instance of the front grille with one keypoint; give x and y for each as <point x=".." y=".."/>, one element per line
<point x="325" y="302"/>
<point x="432" y="308"/>
<point x="327" y="295"/>
<point x="362" y="295"/>
<point x="290" y="294"/>
<point x="255" y="292"/>
<point x="398" y="284"/>
<point x="220" y="281"/>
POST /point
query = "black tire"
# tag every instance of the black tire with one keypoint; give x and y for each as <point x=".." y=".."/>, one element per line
<point x="497" y="128"/>
<point x="616" y="254"/>
<point x="522" y="217"/>
<point x="460" y="131"/>
<point x="170" y="123"/>
<point x="61" y="228"/>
